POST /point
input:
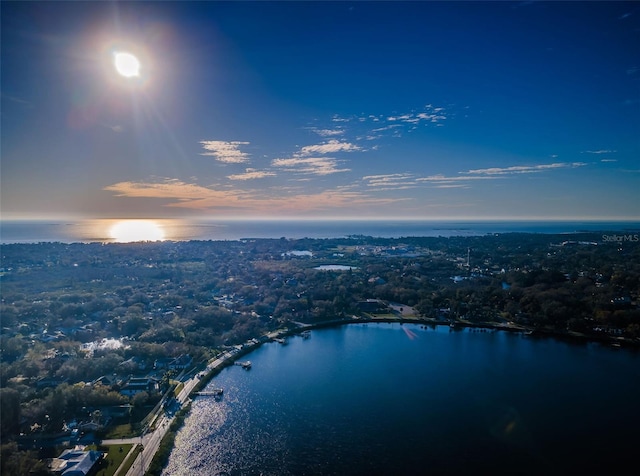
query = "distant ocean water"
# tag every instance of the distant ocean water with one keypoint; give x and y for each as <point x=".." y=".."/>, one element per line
<point x="20" y="231"/>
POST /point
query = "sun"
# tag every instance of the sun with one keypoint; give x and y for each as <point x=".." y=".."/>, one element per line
<point x="126" y="64"/>
<point x="127" y="231"/>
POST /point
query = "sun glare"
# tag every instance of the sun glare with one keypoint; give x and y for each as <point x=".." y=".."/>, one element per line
<point x="126" y="64"/>
<point x="126" y="231"/>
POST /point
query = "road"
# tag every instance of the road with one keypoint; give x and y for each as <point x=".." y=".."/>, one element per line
<point x="150" y="443"/>
<point x="151" y="440"/>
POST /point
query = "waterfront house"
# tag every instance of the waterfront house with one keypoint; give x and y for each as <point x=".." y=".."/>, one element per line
<point x="162" y="363"/>
<point x="135" y="386"/>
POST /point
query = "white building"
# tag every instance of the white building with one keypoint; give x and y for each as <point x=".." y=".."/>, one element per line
<point x="75" y="462"/>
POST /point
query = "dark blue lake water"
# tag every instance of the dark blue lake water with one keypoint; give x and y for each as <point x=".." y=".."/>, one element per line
<point x="388" y="399"/>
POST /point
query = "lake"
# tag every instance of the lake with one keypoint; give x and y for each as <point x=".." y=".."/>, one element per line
<point x="368" y="399"/>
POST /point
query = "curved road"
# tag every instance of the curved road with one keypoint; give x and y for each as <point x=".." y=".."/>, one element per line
<point x="151" y="440"/>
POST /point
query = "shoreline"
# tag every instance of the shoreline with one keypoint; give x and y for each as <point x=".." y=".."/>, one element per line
<point x="229" y="357"/>
<point x="456" y="325"/>
<point x="515" y="328"/>
<point x="241" y="350"/>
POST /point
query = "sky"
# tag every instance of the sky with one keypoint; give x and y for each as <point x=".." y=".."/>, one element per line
<point x="340" y="110"/>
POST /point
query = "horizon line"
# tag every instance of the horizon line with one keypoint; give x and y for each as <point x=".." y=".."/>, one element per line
<point x="338" y="219"/>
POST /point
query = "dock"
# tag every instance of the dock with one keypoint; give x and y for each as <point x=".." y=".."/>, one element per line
<point x="216" y="392"/>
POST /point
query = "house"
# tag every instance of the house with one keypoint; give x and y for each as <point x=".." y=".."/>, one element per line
<point x="75" y="462"/>
<point x="135" y="362"/>
<point x="105" y="380"/>
<point x="89" y="426"/>
<point x="177" y="363"/>
<point x="116" y="411"/>
<point x="135" y="386"/>
<point x="162" y="363"/>
<point x="180" y="363"/>
<point x="50" y="382"/>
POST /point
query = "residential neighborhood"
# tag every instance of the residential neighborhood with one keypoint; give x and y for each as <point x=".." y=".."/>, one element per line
<point x="95" y="335"/>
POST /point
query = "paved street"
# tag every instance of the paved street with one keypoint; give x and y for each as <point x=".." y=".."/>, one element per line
<point x="151" y="440"/>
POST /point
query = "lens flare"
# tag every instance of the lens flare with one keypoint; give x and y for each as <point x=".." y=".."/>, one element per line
<point x="126" y="64"/>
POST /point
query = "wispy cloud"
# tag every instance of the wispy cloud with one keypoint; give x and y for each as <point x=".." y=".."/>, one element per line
<point x="431" y="114"/>
<point x="178" y="193"/>
<point x="287" y="201"/>
<point x="426" y="114"/>
<point x="453" y="178"/>
<point x="386" y="128"/>
<point x="602" y="151"/>
<point x="18" y="100"/>
<point x="451" y="185"/>
<point x="309" y="165"/>
<point x="455" y="181"/>
<point x="328" y="132"/>
<point x="330" y="147"/>
<point x="524" y="169"/>
<point x="251" y="174"/>
<point x="337" y="118"/>
<point x="386" y="182"/>
<point x="225" y="151"/>
<point x="371" y="127"/>
<point x="465" y="179"/>
<point x="165" y="188"/>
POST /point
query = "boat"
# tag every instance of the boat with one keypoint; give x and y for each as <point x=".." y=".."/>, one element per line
<point x="280" y="340"/>
<point x="245" y="365"/>
<point x="306" y="334"/>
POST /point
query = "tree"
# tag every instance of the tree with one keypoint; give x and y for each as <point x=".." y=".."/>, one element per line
<point x="14" y="461"/>
<point x="9" y="412"/>
<point x="12" y="348"/>
<point x="139" y="399"/>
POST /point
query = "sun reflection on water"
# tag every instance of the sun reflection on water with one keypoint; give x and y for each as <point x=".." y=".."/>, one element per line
<point x="127" y="231"/>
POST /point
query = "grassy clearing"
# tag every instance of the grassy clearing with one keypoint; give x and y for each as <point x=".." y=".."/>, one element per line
<point x="113" y="460"/>
<point x="384" y="316"/>
<point x="120" y="431"/>
<point x="129" y="462"/>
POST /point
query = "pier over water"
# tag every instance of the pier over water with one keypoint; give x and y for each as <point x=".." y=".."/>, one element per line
<point x="216" y="392"/>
